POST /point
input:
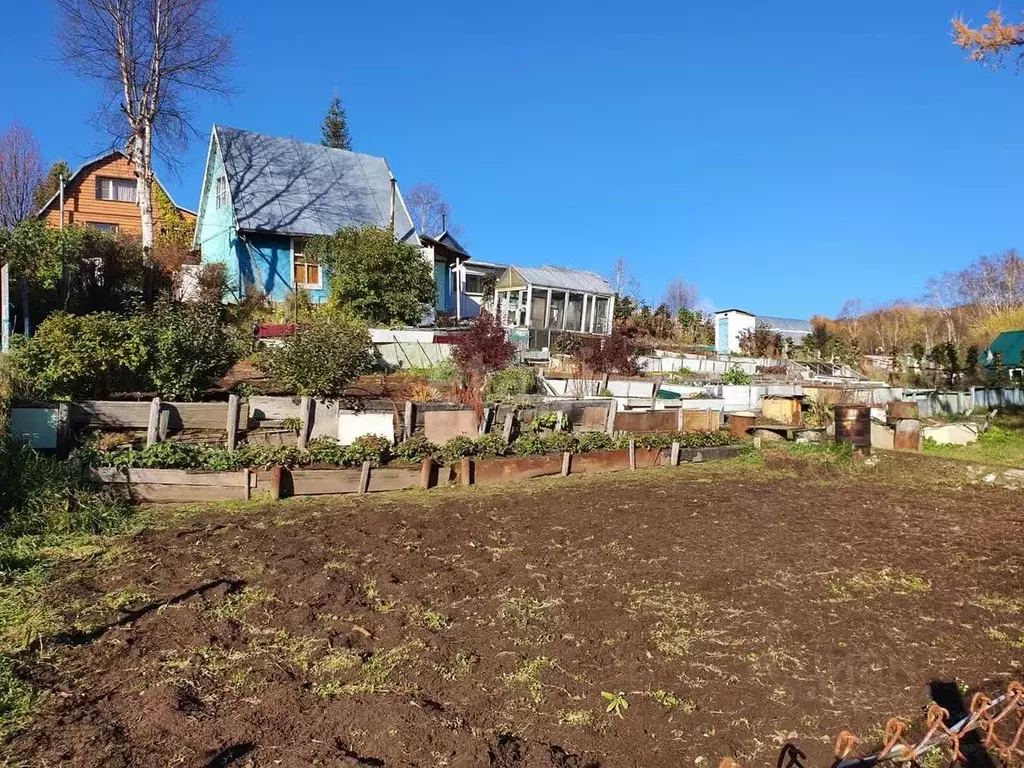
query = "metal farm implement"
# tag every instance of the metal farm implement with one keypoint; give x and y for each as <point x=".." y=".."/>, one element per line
<point x="992" y="727"/>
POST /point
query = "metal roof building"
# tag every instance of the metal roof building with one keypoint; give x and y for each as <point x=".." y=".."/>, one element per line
<point x="291" y="187"/>
<point x="554" y="298"/>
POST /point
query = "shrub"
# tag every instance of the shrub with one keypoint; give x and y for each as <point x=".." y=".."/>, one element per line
<point x="455" y="449"/>
<point x="41" y="495"/>
<point x="737" y="376"/>
<point x="549" y="420"/>
<point x="509" y="383"/>
<point x="594" y="441"/>
<point x="324" y="450"/>
<point x="415" y="449"/>
<point x="613" y="354"/>
<point x="372" y="448"/>
<point x="323" y="357"/>
<point x="77" y="357"/>
<point x="490" y="447"/>
<point x="484" y="347"/>
<point x="381" y="280"/>
<point x="190" y="348"/>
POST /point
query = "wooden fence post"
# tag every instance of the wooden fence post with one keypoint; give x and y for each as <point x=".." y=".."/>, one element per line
<point x="247" y="480"/>
<point x="466" y="471"/>
<point x="558" y="421"/>
<point x="409" y="417"/>
<point x="153" y="429"/>
<point x="632" y="454"/>
<point x="276" y="476"/>
<point x="426" y="471"/>
<point x="234" y="407"/>
<point x="610" y="426"/>
<point x="566" y="463"/>
<point x="164" y="424"/>
<point x="680" y="420"/>
<point x="675" y="453"/>
<point x="485" y="422"/>
<point x="306" y="416"/>
<point x="509" y="423"/>
<point x="364" y="478"/>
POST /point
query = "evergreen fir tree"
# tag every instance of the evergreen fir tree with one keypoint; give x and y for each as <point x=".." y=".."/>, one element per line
<point x="334" y="131"/>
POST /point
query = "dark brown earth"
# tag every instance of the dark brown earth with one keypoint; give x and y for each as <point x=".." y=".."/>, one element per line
<point x="735" y="607"/>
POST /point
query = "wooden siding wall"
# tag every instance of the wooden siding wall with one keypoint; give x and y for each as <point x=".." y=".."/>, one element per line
<point x="81" y="206"/>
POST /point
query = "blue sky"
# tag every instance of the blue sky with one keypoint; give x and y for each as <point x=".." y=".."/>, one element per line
<point x="781" y="156"/>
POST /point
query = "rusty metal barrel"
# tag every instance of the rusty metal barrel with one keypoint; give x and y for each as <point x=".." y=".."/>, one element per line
<point x="853" y="426"/>
<point x="908" y="435"/>
<point x="741" y="423"/>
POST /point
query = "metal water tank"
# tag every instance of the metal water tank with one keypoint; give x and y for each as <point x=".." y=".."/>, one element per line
<point x="853" y="425"/>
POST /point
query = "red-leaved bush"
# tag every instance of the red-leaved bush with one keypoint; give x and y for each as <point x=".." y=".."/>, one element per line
<point x="613" y="354"/>
<point x="484" y="347"/>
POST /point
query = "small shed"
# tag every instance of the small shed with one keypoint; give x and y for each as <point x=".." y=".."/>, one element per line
<point x="1010" y="346"/>
<point x="555" y="299"/>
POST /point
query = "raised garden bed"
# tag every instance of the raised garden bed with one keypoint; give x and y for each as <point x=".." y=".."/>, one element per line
<point x="184" y="486"/>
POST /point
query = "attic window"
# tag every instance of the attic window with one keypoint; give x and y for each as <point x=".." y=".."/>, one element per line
<point x="305" y="269"/>
<point x="222" y="191"/>
<point x="120" y="190"/>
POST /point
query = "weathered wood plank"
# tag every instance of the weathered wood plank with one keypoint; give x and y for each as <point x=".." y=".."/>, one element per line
<point x="316" y="482"/>
<point x="646" y="421"/>
<point x="599" y="461"/>
<point x="393" y="479"/>
<point x="137" y="476"/>
<point x="492" y="471"/>
<point x="118" y="415"/>
<point x="184" y="494"/>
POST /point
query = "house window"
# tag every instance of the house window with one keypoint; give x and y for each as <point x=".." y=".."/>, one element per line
<point x="119" y="190"/>
<point x="474" y="283"/>
<point x="222" y="191"/>
<point x="601" y="315"/>
<point x="103" y="226"/>
<point x="305" y="269"/>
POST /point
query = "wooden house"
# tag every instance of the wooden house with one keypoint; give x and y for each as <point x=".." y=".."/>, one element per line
<point x="103" y="194"/>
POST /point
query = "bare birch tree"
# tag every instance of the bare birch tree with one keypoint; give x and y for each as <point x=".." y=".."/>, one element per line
<point x="151" y="56"/>
<point x="428" y="208"/>
<point x="21" y="173"/>
<point x="624" y="282"/>
<point x="679" y="295"/>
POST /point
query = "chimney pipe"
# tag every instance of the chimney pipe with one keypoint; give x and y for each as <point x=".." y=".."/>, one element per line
<point x="394" y="192"/>
<point x="444" y="221"/>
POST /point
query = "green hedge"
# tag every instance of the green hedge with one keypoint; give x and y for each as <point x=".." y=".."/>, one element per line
<point x="378" y="451"/>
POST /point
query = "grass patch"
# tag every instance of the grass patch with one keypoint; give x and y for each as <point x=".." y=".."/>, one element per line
<point x="681" y="619"/>
<point x="526" y="678"/>
<point x="376" y="673"/>
<point x="524" y="611"/>
<point x="579" y="718"/>
<point x="1001" y="443"/>
<point x="374" y="598"/>
<point x="831" y="453"/>
<point x="234" y="604"/>
<point x="849" y="586"/>
<point x="462" y="662"/>
<point x="430" y="619"/>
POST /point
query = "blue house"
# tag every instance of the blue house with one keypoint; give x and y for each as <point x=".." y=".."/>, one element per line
<point x="263" y="195"/>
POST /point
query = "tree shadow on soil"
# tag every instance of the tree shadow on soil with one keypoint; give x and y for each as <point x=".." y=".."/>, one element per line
<point x="230" y="755"/>
<point x="947" y="695"/>
<point x="128" y="617"/>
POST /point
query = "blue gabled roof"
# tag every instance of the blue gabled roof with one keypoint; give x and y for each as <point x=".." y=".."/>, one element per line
<point x="293" y="187"/>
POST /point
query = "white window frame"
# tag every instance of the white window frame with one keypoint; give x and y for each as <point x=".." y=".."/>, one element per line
<point x="220" y="192"/>
<point x="104" y="226"/>
<point x="101" y="187"/>
<point x="307" y="286"/>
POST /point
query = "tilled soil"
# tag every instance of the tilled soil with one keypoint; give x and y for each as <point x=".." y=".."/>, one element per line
<point x="733" y="609"/>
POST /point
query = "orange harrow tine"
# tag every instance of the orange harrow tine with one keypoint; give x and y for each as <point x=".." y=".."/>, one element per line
<point x="845" y="742"/>
<point x="892" y="735"/>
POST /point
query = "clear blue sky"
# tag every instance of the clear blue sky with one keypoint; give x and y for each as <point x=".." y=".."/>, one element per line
<point x="781" y="156"/>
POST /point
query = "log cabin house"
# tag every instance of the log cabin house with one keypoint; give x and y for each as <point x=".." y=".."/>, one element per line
<point x="102" y="194"/>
